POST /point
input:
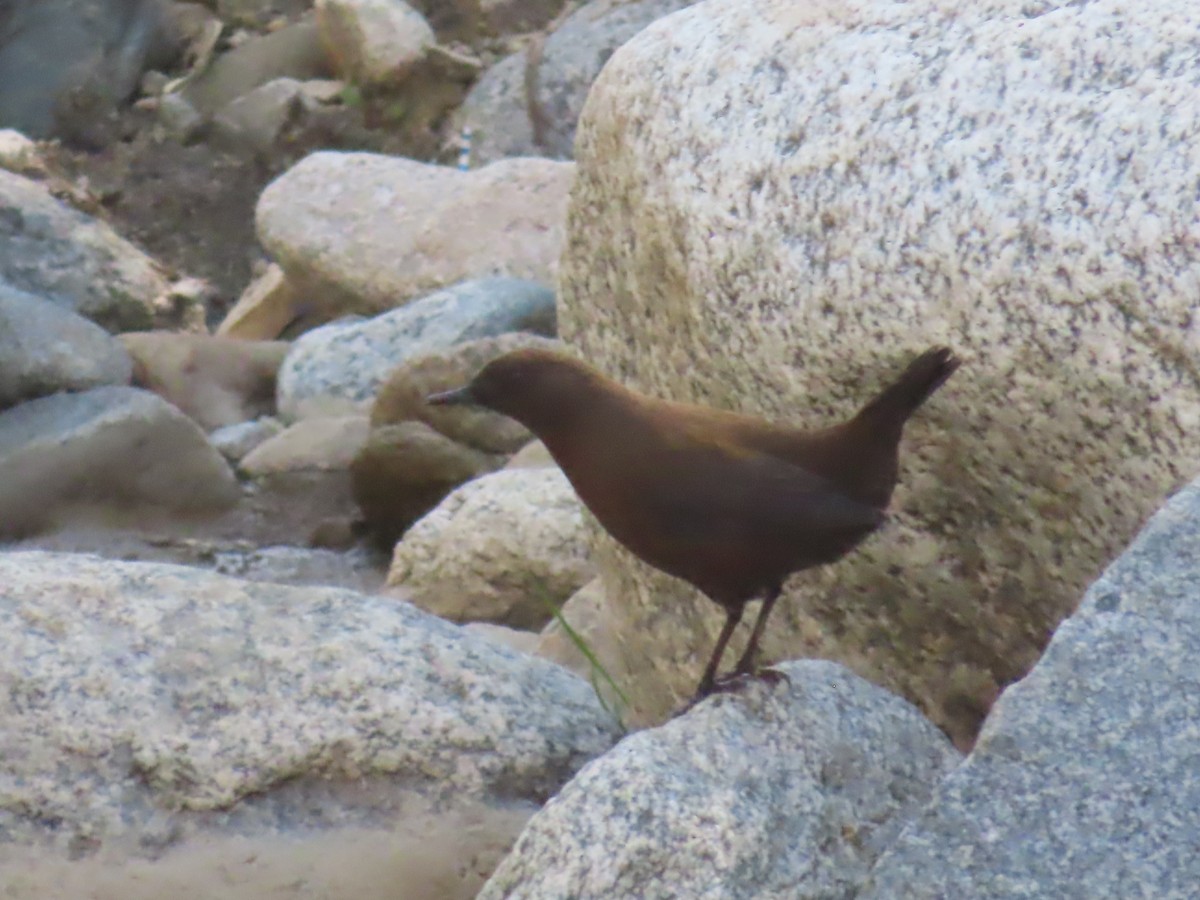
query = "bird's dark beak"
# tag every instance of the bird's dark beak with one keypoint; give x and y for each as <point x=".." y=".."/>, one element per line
<point x="460" y="397"/>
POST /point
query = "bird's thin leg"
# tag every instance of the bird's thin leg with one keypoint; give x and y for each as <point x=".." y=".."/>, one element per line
<point x="732" y="617"/>
<point x="746" y="664"/>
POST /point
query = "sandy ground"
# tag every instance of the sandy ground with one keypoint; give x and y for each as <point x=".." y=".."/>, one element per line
<point x="446" y="859"/>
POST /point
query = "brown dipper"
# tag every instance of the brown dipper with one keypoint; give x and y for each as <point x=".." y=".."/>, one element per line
<point x="727" y="502"/>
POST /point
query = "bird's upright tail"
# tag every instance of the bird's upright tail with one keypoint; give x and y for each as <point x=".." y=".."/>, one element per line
<point x="924" y="375"/>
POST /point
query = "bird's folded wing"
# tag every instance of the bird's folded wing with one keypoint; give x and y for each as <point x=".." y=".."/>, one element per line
<point x="717" y="493"/>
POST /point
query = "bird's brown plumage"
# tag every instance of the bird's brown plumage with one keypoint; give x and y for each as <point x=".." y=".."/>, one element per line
<point x="730" y="503"/>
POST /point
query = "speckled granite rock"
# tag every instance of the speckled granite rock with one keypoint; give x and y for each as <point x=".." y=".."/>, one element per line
<point x="563" y="68"/>
<point x="1004" y="177"/>
<point x="368" y="233"/>
<point x="403" y="396"/>
<point x="786" y="791"/>
<point x="1084" y="782"/>
<point x="338" y="369"/>
<point x="45" y="349"/>
<point x="110" y="447"/>
<point x="54" y="251"/>
<point x="147" y="701"/>
<point x="498" y="549"/>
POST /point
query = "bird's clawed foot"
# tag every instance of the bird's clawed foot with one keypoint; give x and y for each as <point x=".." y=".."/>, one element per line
<point x="734" y="682"/>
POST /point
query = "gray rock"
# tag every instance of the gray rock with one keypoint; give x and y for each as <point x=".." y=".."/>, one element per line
<point x="45" y="349"/>
<point x="235" y="441"/>
<point x="339" y="368"/>
<point x="784" y="791"/>
<point x="65" y="64"/>
<point x="51" y="250"/>
<point x="1084" y="782"/>
<point x="111" y="446"/>
<point x="149" y="701"/>
<point x="505" y="121"/>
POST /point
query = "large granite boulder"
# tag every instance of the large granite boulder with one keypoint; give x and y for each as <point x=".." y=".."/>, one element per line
<point x="1001" y="180"/>
<point x="785" y="791"/>
<point x="1084" y="780"/>
<point x="149" y="704"/>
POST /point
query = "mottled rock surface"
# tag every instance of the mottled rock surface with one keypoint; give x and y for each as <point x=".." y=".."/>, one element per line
<point x="108" y="447"/>
<point x="784" y="791"/>
<point x="1005" y="179"/>
<point x="54" y="251"/>
<point x="1084" y="782"/>
<point x="339" y="368"/>
<point x="508" y="547"/>
<point x="147" y="702"/>
<point x="372" y="232"/>
<point x="45" y="349"/>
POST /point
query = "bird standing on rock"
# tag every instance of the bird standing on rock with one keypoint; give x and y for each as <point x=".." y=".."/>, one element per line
<point x="730" y="503"/>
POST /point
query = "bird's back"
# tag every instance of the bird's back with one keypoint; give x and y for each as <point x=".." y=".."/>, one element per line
<point x="683" y="489"/>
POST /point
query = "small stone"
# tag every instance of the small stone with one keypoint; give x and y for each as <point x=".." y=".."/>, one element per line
<point x="45" y="349"/>
<point x="236" y="441"/>
<point x="373" y="42"/>
<point x="322" y="444"/>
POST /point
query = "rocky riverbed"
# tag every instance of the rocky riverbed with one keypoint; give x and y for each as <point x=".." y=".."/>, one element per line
<point x="270" y="625"/>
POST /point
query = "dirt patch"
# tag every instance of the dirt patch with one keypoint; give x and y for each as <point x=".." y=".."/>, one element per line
<point x="189" y="207"/>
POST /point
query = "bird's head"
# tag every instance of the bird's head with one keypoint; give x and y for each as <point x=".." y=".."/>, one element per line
<point x="539" y="388"/>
